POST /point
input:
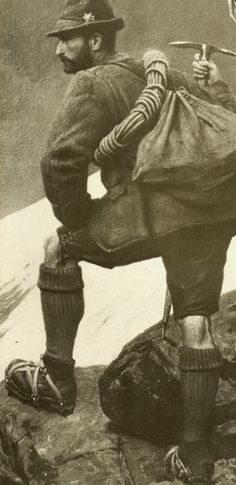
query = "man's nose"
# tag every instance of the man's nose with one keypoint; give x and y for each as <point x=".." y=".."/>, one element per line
<point x="60" y="48"/>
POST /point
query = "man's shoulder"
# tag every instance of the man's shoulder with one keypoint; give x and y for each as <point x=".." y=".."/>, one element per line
<point x="119" y="70"/>
<point x="88" y="79"/>
<point x="83" y="80"/>
<point x="122" y="65"/>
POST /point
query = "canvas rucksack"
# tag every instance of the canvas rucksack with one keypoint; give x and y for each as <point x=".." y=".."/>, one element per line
<point x="189" y="147"/>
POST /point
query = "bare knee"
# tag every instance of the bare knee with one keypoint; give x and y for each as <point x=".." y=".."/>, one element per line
<point x="52" y="251"/>
<point x="196" y="332"/>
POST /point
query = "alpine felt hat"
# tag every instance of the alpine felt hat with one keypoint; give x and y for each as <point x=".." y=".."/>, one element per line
<point x="86" y="14"/>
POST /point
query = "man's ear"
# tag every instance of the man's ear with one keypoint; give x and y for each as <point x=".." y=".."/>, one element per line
<point x="95" y="42"/>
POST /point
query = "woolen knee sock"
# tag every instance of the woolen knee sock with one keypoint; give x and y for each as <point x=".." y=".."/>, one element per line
<point x="62" y="307"/>
<point x="200" y="373"/>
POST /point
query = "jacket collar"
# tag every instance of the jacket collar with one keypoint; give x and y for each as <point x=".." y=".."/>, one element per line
<point x="123" y="60"/>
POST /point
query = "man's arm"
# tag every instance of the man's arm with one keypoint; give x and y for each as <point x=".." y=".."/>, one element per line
<point x="82" y="121"/>
<point x="218" y="87"/>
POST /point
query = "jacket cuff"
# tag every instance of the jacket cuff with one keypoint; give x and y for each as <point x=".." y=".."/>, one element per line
<point x="74" y="214"/>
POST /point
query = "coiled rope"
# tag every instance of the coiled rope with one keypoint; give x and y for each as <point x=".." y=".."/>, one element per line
<point x="146" y="108"/>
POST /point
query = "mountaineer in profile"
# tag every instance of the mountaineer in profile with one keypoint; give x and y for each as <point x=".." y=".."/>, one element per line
<point x="130" y="223"/>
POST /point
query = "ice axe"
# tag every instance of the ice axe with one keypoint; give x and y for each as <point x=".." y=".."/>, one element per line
<point x="205" y="51"/>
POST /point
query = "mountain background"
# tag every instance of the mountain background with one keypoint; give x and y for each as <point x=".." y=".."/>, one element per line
<point x="32" y="82"/>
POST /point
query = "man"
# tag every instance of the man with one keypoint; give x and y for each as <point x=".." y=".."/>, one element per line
<point x="131" y="223"/>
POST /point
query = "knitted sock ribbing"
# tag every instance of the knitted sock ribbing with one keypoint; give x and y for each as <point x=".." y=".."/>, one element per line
<point x="62" y="306"/>
<point x="200" y="372"/>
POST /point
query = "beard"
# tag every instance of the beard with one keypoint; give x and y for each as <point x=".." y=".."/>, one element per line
<point x="81" y="62"/>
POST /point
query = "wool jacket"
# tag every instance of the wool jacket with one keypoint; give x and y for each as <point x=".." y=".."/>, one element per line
<point x="97" y="100"/>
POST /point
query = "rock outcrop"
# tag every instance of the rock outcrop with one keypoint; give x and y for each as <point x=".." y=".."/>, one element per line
<point x="39" y="448"/>
<point x="140" y="390"/>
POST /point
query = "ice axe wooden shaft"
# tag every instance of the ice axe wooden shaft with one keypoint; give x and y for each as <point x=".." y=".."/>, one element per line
<point x="166" y="313"/>
<point x="205" y="51"/>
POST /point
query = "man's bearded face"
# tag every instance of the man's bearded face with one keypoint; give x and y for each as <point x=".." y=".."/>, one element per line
<point x="74" y="52"/>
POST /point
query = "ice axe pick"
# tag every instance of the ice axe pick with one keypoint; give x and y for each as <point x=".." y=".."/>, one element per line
<point x="205" y="51"/>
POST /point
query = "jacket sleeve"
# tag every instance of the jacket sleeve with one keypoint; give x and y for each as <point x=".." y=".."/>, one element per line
<point x="221" y="90"/>
<point x="218" y="91"/>
<point x="81" y="122"/>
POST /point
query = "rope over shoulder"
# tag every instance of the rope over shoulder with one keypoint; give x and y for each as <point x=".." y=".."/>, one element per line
<point x="147" y="106"/>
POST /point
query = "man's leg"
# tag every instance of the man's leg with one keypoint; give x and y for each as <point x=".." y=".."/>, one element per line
<point x="200" y="363"/>
<point x="194" y="261"/>
<point x="61" y="287"/>
<point x="62" y="301"/>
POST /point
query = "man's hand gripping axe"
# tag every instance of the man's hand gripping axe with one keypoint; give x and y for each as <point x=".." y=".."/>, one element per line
<point x="205" y="51"/>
